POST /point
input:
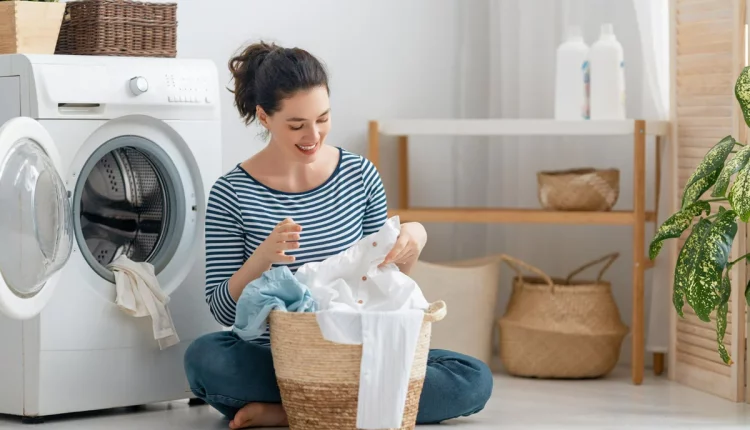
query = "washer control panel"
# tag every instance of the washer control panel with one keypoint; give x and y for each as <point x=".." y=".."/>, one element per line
<point x="187" y="88"/>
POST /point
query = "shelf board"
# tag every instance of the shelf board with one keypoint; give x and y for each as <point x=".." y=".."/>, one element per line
<point x="515" y="216"/>
<point x="515" y="127"/>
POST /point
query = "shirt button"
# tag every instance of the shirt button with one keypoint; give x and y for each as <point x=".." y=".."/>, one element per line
<point x="374" y="244"/>
<point x="364" y="278"/>
<point x="360" y="301"/>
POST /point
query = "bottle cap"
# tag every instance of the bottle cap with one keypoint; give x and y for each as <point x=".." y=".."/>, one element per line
<point x="607" y="29"/>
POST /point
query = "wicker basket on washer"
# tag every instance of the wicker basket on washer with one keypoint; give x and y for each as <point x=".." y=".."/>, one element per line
<point x="119" y="28"/>
<point x="560" y="328"/>
<point x="319" y="380"/>
<point x="579" y="189"/>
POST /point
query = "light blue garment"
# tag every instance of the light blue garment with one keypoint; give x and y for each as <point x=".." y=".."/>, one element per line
<point x="275" y="289"/>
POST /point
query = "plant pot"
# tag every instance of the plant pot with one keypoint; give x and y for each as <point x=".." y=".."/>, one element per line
<point x="29" y="27"/>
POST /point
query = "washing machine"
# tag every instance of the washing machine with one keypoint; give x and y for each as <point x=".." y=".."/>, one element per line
<point x="100" y="157"/>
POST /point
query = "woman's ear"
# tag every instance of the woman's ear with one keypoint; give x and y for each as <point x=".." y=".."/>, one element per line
<point x="262" y="116"/>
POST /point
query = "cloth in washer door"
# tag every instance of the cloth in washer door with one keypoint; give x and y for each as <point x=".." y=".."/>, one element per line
<point x="139" y="294"/>
<point x="380" y="308"/>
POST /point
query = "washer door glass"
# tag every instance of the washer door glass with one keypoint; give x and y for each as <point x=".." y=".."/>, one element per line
<point x="127" y="204"/>
<point x="35" y="220"/>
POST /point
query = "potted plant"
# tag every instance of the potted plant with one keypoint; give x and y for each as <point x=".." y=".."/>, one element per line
<point x="30" y="26"/>
<point x="702" y="271"/>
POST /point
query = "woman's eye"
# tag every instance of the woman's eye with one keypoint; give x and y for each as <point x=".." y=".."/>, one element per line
<point x="296" y="128"/>
<point x="323" y="119"/>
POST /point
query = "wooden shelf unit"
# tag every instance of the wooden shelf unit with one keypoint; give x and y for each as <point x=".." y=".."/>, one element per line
<point x="637" y="217"/>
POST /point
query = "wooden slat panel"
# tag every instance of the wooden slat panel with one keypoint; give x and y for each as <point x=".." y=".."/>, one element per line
<point x="719" y="369"/>
<point x="701" y="336"/>
<point x="708" y="84"/>
<point x="708" y="354"/>
<point x="707" y="43"/>
<point x="716" y="35"/>
<point x="704" y="111"/>
<point x="705" y="122"/>
<point x="705" y="101"/>
<point x="707" y="14"/>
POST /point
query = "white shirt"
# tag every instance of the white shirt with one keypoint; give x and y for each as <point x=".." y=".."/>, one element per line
<point x="380" y="308"/>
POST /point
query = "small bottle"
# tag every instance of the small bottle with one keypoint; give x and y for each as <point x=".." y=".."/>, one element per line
<point x="570" y="85"/>
<point x="607" y="93"/>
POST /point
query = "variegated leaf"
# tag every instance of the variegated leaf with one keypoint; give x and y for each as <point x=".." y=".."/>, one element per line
<point x="675" y="225"/>
<point x="704" y="276"/>
<point x="739" y="195"/>
<point x="725" y="291"/>
<point x="686" y="260"/>
<point x="733" y="166"/>
<point x="696" y="190"/>
<point x="742" y="93"/>
<point x="713" y="161"/>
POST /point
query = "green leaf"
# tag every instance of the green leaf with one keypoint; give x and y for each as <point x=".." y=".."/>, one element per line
<point x="733" y="166"/>
<point x="704" y="277"/>
<point x="685" y="261"/>
<point x="739" y="195"/>
<point x="712" y="163"/>
<point x="742" y="93"/>
<point x="725" y="291"/>
<point x="696" y="190"/>
<point x="676" y="224"/>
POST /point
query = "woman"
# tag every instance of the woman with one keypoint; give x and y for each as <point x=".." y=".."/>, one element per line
<point x="298" y="200"/>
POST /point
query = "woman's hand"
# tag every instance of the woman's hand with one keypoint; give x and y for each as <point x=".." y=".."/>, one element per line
<point x="285" y="236"/>
<point x="408" y="247"/>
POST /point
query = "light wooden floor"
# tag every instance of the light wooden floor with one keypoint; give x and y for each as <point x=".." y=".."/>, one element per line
<point x="516" y="404"/>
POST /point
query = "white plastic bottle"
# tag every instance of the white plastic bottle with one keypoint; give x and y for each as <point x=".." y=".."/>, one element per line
<point x="607" y="77"/>
<point x="570" y="90"/>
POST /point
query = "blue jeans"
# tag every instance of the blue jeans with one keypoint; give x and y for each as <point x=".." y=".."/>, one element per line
<point x="228" y="373"/>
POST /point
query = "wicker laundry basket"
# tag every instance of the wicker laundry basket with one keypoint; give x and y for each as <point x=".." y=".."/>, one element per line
<point x="119" y="28"/>
<point x="579" y="189"/>
<point x="319" y="380"/>
<point x="560" y="328"/>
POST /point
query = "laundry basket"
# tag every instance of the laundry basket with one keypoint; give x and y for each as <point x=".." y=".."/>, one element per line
<point x="560" y="328"/>
<point x="319" y="379"/>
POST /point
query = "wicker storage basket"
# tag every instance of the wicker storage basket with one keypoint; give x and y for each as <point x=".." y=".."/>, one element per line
<point x="560" y="328"/>
<point x="319" y="380"/>
<point x="579" y="189"/>
<point x="119" y="28"/>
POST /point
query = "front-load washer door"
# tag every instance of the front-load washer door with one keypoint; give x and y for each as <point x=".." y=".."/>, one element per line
<point x="36" y="232"/>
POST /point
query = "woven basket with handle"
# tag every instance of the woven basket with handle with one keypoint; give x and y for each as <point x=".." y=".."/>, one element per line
<point x="119" y="28"/>
<point x="319" y="379"/>
<point x="579" y="189"/>
<point x="560" y="328"/>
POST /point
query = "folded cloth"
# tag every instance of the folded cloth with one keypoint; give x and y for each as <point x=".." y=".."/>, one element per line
<point x="275" y="289"/>
<point x="139" y="294"/>
<point x="378" y="307"/>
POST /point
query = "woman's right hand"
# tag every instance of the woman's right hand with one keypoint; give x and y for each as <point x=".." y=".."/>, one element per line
<point x="285" y="236"/>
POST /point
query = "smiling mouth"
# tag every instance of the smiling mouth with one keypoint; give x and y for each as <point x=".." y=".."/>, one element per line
<point x="307" y="148"/>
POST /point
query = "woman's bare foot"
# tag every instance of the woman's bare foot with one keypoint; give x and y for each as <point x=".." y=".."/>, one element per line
<point x="259" y="415"/>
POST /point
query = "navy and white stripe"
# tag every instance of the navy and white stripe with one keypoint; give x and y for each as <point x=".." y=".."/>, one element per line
<point x="242" y="212"/>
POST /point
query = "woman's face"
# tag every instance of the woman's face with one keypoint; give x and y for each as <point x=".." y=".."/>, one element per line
<point x="301" y="125"/>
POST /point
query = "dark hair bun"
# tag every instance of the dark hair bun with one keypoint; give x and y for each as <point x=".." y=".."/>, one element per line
<point x="264" y="74"/>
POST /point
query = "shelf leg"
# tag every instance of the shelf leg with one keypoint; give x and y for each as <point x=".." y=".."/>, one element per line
<point x="373" y="150"/>
<point x="639" y="231"/>
<point x="403" y="172"/>
<point x="658" y="363"/>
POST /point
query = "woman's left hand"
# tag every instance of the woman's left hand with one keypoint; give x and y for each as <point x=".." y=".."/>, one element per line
<point x="408" y="246"/>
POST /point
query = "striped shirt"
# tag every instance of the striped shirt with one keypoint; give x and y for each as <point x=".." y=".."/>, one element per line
<point x="242" y="212"/>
